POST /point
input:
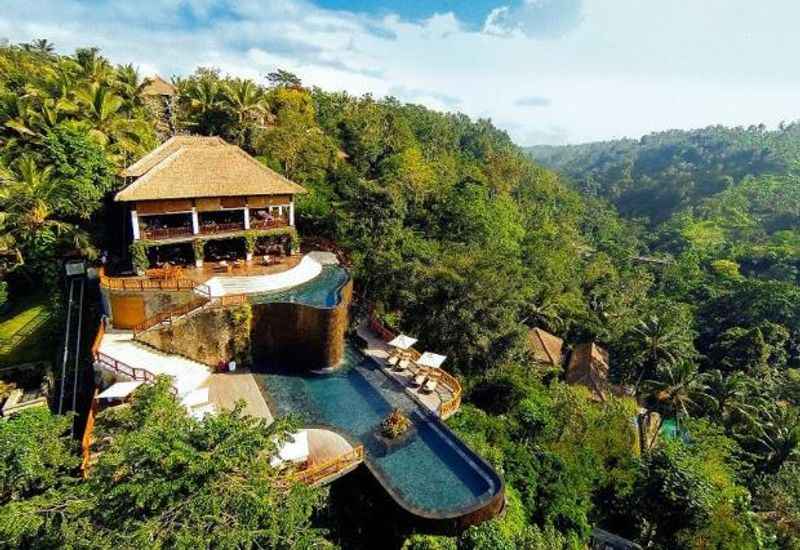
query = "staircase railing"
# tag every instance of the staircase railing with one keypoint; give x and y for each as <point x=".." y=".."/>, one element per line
<point x="167" y="317"/>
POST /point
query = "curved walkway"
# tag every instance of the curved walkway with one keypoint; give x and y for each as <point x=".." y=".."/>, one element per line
<point x="308" y="268"/>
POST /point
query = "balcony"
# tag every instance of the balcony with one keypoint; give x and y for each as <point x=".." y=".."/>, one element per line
<point x="161" y="233"/>
<point x="215" y="228"/>
<point x="269" y="223"/>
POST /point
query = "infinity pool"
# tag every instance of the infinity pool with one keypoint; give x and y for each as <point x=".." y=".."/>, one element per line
<point x="432" y="474"/>
<point x="323" y="291"/>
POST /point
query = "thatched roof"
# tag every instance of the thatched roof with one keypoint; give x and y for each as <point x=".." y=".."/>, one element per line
<point x="588" y="366"/>
<point x="158" y="86"/>
<point x="190" y="167"/>
<point x="547" y="348"/>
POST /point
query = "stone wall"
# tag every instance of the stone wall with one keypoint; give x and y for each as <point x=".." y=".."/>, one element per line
<point x="301" y="336"/>
<point x="207" y="337"/>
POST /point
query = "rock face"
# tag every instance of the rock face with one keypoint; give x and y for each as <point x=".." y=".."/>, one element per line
<point x="208" y="337"/>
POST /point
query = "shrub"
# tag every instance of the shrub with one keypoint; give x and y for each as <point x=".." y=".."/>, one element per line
<point x="3" y="294"/>
<point x="395" y="425"/>
<point x="139" y="257"/>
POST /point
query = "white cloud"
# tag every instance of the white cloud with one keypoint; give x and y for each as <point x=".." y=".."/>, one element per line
<point x="610" y="68"/>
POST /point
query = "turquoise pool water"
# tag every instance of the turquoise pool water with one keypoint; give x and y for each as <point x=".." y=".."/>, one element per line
<point x="323" y="291"/>
<point x="432" y="472"/>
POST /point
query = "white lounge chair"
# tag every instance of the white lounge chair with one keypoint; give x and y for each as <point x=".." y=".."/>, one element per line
<point x="430" y="385"/>
<point x="393" y="359"/>
<point x="403" y="364"/>
<point x="419" y="379"/>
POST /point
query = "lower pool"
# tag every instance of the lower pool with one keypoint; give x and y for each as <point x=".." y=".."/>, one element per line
<point x="432" y="473"/>
<point x="323" y="291"/>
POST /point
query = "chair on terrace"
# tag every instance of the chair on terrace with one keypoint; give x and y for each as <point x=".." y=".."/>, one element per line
<point x="430" y="385"/>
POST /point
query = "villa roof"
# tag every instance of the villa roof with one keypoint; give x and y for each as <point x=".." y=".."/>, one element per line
<point x="190" y="167"/>
<point x="158" y="86"/>
<point x="588" y="366"/>
<point x="547" y="348"/>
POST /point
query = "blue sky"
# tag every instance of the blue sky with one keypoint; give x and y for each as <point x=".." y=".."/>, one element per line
<point x="547" y="71"/>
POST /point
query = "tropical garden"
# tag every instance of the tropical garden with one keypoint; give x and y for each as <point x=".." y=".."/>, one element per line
<point x="679" y="253"/>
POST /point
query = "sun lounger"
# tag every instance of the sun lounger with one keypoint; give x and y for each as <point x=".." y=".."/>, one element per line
<point x="430" y="385"/>
<point x="419" y="379"/>
<point x="403" y="364"/>
<point x="393" y="360"/>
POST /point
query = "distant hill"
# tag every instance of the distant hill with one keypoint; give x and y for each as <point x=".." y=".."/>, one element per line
<point x="661" y="173"/>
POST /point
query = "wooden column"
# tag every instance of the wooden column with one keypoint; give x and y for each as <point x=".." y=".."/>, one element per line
<point x="246" y="217"/>
<point x="291" y="212"/>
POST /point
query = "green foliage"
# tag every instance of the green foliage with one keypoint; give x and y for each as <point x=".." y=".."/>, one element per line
<point x="3" y="293"/>
<point x="164" y="480"/>
<point x="138" y="250"/>
<point x="36" y="453"/>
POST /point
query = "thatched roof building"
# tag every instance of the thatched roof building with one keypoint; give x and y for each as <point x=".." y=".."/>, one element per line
<point x="157" y="86"/>
<point x="193" y="167"/>
<point x="547" y="348"/>
<point x="588" y="366"/>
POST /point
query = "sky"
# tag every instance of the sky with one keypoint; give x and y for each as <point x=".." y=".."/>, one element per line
<point x="546" y="71"/>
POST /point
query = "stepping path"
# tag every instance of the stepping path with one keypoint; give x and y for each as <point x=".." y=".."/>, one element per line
<point x="187" y="375"/>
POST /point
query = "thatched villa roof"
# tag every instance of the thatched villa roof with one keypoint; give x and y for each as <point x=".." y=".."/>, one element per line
<point x="190" y="167"/>
<point x="158" y="86"/>
<point x="547" y="348"/>
<point x="588" y="366"/>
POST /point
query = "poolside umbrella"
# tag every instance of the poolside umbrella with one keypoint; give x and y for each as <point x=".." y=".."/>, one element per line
<point x="295" y="450"/>
<point x="403" y="342"/>
<point x="431" y="360"/>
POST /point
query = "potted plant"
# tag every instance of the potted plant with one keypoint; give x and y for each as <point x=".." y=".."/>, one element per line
<point x="395" y="425"/>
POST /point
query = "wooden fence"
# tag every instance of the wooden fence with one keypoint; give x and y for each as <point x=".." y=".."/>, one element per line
<point x="155" y="234"/>
<point x="149" y="283"/>
<point x="319" y="472"/>
<point x="446" y="408"/>
<point x="86" y="440"/>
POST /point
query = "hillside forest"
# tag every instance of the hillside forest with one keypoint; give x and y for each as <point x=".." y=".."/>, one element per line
<point x="679" y="253"/>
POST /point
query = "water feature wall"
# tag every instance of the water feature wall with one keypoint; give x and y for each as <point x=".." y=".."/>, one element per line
<point x="303" y="335"/>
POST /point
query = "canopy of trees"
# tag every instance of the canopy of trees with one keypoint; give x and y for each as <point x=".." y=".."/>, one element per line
<point x="458" y="237"/>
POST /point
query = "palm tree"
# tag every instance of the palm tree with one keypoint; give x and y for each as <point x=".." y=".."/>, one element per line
<point x="245" y="100"/>
<point x="775" y="437"/>
<point x="728" y="395"/>
<point x="110" y="127"/>
<point x="129" y="85"/>
<point x="659" y="345"/>
<point x="93" y="66"/>
<point x="30" y="199"/>
<point x="675" y="392"/>
<point x="40" y="45"/>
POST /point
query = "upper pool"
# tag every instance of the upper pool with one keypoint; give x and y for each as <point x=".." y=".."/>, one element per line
<point x="323" y="291"/>
<point x="432" y="474"/>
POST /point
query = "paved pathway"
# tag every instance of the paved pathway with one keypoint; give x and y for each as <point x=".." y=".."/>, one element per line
<point x="225" y="389"/>
<point x="308" y="268"/>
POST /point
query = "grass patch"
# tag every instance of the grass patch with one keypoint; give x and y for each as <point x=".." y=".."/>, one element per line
<point x="25" y="332"/>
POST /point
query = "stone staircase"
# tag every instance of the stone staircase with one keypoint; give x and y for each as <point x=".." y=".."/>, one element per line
<point x="187" y="375"/>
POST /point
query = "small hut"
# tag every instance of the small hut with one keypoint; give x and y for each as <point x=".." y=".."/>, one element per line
<point x="588" y="366"/>
<point x="159" y="97"/>
<point x="547" y="348"/>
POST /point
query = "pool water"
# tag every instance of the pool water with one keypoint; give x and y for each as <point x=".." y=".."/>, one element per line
<point x="323" y="291"/>
<point x="431" y="472"/>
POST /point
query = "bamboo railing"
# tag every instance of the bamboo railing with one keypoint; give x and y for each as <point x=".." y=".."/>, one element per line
<point x="155" y="234"/>
<point x="150" y="283"/>
<point x="319" y="472"/>
<point x="446" y="408"/>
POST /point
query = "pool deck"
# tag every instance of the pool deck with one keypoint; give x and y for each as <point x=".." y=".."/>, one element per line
<point x="226" y="389"/>
<point x="379" y="350"/>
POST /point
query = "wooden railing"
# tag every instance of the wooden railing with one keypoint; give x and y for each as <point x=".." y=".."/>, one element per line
<point x="86" y="440"/>
<point x="134" y="373"/>
<point x="268" y="224"/>
<point x="168" y="316"/>
<point x="140" y="284"/>
<point x="155" y="234"/>
<point x="212" y="229"/>
<point x="319" y="472"/>
<point x="446" y="408"/>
